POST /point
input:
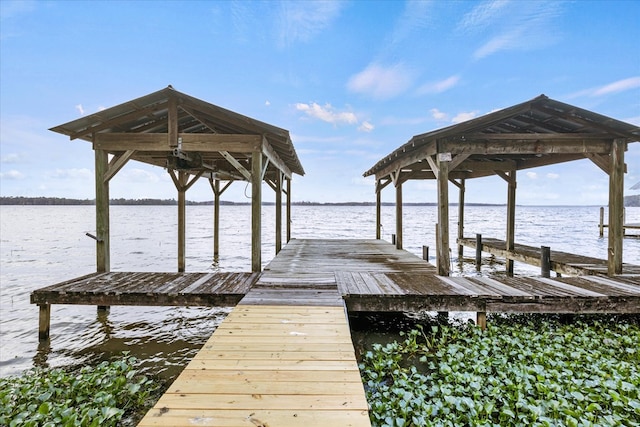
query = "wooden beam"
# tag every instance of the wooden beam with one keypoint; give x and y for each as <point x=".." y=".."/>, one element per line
<point x="274" y="158"/>
<point x="457" y="160"/>
<point x="202" y="142"/>
<point x="461" y="189"/>
<point x="397" y="161"/>
<point x="103" y="263"/>
<point x="527" y="147"/>
<point x="288" y="209"/>
<point x="397" y="181"/>
<point x="247" y="175"/>
<point x="511" y="218"/>
<point x="518" y="137"/>
<point x="181" y="182"/>
<point x="117" y="162"/>
<point x="602" y="161"/>
<point x="172" y="124"/>
<point x="110" y="124"/>
<point x="442" y="243"/>
<point x="379" y="188"/>
<point x="256" y="211"/>
<point x="616" y="207"/>
<point x="505" y="165"/>
<point x="278" y="208"/>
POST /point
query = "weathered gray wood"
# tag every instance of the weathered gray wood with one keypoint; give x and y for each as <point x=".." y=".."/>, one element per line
<point x="278" y="208"/>
<point x="44" y="322"/>
<point x="616" y="206"/>
<point x="461" y="190"/>
<point x="545" y="261"/>
<point x="103" y="256"/>
<point x="443" y="217"/>
<point x="478" y="250"/>
<point x="378" y="210"/>
<point x="398" y="185"/>
<point x="511" y="217"/>
<point x="191" y="142"/>
<point x="256" y="211"/>
<point x="288" y="209"/>
<point x="601" y="221"/>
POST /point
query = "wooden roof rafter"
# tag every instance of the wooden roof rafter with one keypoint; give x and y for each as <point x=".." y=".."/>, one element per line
<point x="141" y="127"/>
<point x="535" y="133"/>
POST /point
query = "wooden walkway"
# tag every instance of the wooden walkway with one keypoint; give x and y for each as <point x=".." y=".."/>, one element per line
<point x="270" y="365"/>
<point x="407" y="292"/>
<point x="561" y="262"/>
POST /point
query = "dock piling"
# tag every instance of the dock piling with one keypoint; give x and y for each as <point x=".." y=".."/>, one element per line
<point x="425" y="253"/>
<point x="478" y="251"/>
<point x="481" y="319"/>
<point x="545" y="261"/>
<point x="44" y="321"/>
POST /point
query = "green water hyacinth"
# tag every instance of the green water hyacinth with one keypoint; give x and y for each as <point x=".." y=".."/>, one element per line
<point x="542" y="373"/>
<point x="91" y="396"/>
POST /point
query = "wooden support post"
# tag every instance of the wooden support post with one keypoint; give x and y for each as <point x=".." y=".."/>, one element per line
<point x="103" y="264"/>
<point x="44" y="321"/>
<point x="425" y="253"/>
<point x="478" y="252"/>
<point x="256" y="210"/>
<point x="616" y="207"/>
<point x="278" y="211"/>
<point x="378" y="210"/>
<point x="103" y="309"/>
<point x="481" y="320"/>
<point x="288" y="209"/>
<point x="182" y="221"/>
<point x="601" y="221"/>
<point x="545" y="261"/>
<point x="393" y="239"/>
<point x="437" y="234"/>
<point x="461" y="218"/>
<point x="443" y="213"/>
<point x="398" y="214"/>
<point x="215" y="185"/>
<point x="511" y="218"/>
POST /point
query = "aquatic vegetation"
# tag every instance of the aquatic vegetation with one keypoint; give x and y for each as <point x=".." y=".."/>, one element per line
<point x="519" y="371"/>
<point x="99" y="395"/>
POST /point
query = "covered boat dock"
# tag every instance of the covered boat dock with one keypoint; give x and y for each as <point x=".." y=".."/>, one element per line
<point x="532" y="134"/>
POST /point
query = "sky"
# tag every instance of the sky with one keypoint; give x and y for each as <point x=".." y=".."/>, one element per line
<point x="350" y="80"/>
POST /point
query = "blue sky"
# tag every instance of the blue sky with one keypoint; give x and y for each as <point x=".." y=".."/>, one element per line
<point x="350" y="80"/>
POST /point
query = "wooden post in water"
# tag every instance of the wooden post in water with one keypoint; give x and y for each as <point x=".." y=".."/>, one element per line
<point x="425" y="253"/>
<point x="182" y="221"/>
<point x="616" y="207"/>
<point x="278" y="211"/>
<point x="437" y="235"/>
<point x="215" y="185"/>
<point x="442" y="162"/>
<point x="44" y="324"/>
<point x="256" y="210"/>
<point x="511" y="217"/>
<point x="461" y="188"/>
<point x="393" y="239"/>
<point x="398" y="185"/>
<point x="478" y="252"/>
<point x="103" y="264"/>
<point x="601" y="221"/>
<point x="378" y="210"/>
<point x="288" y="209"/>
<point x="545" y="261"/>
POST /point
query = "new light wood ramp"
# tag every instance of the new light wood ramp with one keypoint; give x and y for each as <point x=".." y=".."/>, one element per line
<point x="270" y="365"/>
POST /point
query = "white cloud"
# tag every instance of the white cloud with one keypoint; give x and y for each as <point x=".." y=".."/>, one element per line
<point x="72" y="173"/>
<point x="12" y="174"/>
<point x="438" y="115"/>
<point x="326" y="113"/>
<point x="382" y="82"/>
<point x="80" y="109"/>
<point x="464" y="116"/>
<point x="532" y="175"/>
<point x="267" y="103"/>
<point x="618" y="86"/>
<point x="136" y="175"/>
<point x="512" y="25"/>
<point x="440" y="86"/>
<point x="12" y="158"/>
<point x="552" y="175"/>
<point x="365" y="127"/>
<point x="301" y="21"/>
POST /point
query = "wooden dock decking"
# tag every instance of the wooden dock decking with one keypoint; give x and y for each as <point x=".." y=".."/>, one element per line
<point x="561" y="262"/>
<point x="270" y="366"/>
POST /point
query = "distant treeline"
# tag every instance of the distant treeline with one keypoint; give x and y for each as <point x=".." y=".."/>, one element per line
<point x="61" y="201"/>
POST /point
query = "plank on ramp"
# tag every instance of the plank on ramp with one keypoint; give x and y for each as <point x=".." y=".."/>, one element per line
<point x="270" y="366"/>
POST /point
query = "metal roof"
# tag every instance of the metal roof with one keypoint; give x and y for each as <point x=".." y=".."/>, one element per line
<point x="149" y="114"/>
<point x="538" y="132"/>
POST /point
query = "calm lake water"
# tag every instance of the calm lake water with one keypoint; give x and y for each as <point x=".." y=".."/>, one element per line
<point x="43" y="245"/>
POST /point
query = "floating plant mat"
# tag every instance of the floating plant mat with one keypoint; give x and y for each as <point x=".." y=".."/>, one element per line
<point x="523" y="369"/>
